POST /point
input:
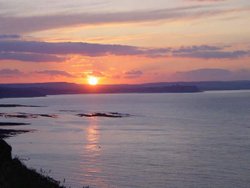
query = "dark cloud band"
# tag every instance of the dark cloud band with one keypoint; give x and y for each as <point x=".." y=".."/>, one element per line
<point x="33" y="51"/>
<point x="10" y="24"/>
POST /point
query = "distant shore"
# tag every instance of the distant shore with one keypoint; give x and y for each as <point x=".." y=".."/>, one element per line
<point x="44" y="89"/>
<point x="61" y="88"/>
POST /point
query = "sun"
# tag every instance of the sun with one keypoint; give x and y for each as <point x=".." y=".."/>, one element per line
<point x="92" y="80"/>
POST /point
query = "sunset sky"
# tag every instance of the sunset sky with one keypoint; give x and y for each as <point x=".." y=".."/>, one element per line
<point x="124" y="41"/>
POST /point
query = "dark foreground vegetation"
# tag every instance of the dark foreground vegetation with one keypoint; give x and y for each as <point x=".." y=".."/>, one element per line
<point x="13" y="174"/>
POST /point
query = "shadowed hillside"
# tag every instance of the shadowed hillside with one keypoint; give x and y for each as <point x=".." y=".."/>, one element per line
<point x="43" y="89"/>
<point x="13" y="174"/>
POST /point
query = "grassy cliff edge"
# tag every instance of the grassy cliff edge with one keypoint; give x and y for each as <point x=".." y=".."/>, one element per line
<point x="14" y="174"/>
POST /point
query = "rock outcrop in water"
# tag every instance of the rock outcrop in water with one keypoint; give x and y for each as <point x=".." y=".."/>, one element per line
<point x="99" y="114"/>
<point x="26" y="115"/>
<point x="2" y="124"/>
<point x="15" y="105"/>
<point x="4" y="133"/>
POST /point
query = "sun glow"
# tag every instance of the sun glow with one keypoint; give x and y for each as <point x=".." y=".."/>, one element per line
<point x="93" y="80"/>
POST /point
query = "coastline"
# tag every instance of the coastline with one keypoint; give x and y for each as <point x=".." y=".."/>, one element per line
<point x="14" y="174"/>
<point x="30" y="90"/>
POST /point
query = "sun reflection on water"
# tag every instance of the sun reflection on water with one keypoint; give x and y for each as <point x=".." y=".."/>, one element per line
<point x="93" y="168"/>
<point x="92" y="137"/>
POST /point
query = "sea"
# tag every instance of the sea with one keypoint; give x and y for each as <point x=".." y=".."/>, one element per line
<point x="185" y="140"/>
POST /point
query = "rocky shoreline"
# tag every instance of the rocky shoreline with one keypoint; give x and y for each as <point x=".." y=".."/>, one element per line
<point x="14" y="174"/>
<point x="4" y="133"/>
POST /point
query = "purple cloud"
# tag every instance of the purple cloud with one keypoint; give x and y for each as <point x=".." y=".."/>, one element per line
<point x="209" y="52"/>
<point x="10" y="73"/>
<point x="55" y="73"/>
<point x="56" y="52"/>
<point x="62" y="48"/>
<point x="190" y="49"/>
<point x="45" y="22"/>
<point x="11" y="36"/>
<point x="29" y="57"/>
<point x="133" y="74"/>
<point x="212" y="75"/>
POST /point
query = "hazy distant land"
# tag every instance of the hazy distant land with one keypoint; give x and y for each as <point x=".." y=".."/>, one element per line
<point x="57" y="88"/>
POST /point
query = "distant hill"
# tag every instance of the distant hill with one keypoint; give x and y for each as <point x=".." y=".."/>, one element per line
<point x="57" y="88"/>
<point x="43" y="89"/>
<point x="210" y="85"/>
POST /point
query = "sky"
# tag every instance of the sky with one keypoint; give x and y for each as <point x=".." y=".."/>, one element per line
<point x="125" y="41"/>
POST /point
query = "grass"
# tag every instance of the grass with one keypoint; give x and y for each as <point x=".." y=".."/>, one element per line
<point x="14" y="174"/>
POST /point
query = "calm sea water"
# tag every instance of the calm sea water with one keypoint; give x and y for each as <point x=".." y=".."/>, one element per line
<point x="199" y="140"/>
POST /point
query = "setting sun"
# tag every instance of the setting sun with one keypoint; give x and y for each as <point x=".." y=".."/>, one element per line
<point x="93" y="80"/>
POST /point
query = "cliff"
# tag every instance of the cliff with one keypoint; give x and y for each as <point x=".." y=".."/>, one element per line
<point x="14" y="174"/>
